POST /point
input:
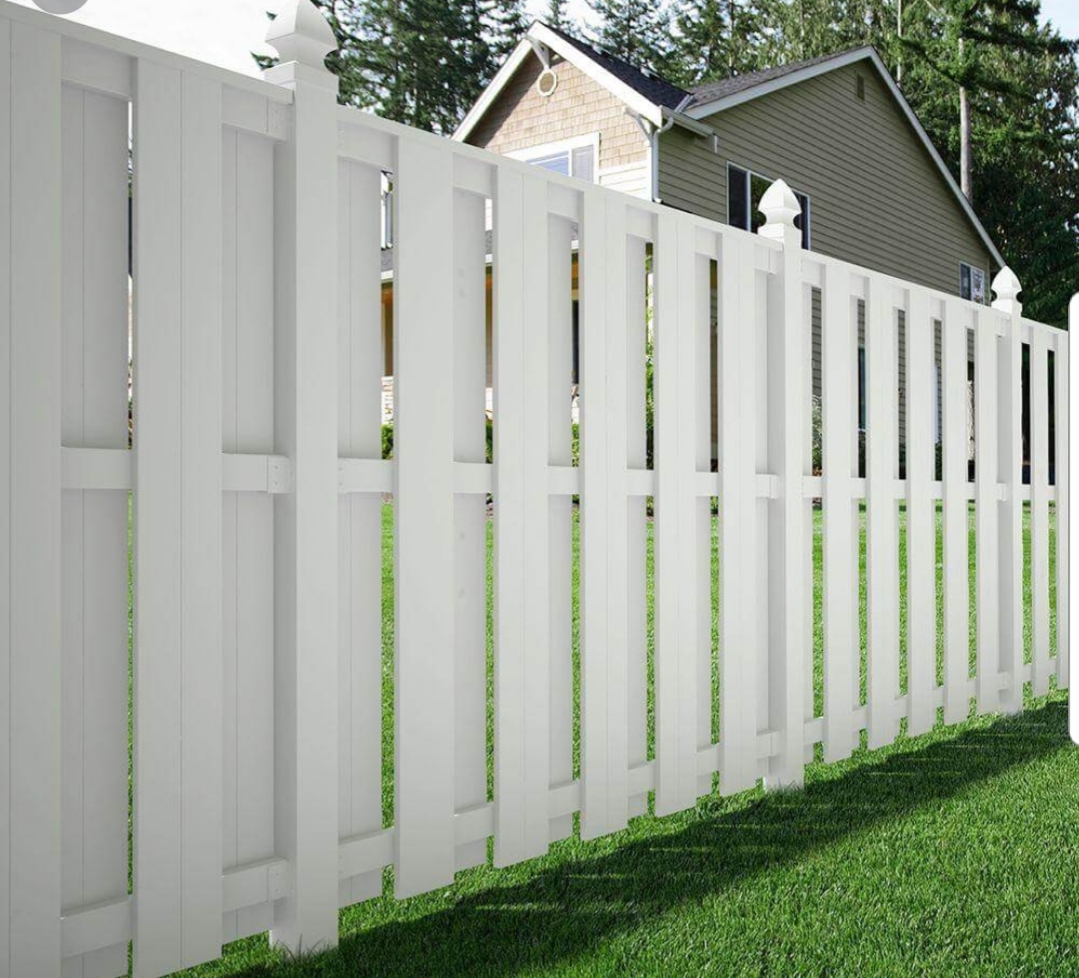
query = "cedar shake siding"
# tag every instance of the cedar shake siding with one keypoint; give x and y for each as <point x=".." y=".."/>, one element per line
<point x="522" y="118"/>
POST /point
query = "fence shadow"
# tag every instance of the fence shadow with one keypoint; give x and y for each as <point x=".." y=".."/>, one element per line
<point x="569" y="908"/>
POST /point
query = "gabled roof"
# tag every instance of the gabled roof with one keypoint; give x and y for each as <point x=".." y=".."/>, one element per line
<point x="658" y="101"/>
<point x="725" y="87"/>
<point x="650" y="86"/>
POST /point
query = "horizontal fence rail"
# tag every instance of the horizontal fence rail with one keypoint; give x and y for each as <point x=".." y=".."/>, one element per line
<point x="550" y="591"/>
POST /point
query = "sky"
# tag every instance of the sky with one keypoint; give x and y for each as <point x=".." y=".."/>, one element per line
<point x="224" y="32"/>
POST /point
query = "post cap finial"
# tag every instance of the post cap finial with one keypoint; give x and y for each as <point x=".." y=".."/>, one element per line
<point x="1006" y="285"/>
<point x="301" y="34"/>
<point x="779" y="205"/>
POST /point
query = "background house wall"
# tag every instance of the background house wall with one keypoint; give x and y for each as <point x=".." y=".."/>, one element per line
<point x="521" y="118"/>
<point x="859" y="161"/>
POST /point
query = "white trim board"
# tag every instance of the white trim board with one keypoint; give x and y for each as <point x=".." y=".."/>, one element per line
<point x="541" y="34"/>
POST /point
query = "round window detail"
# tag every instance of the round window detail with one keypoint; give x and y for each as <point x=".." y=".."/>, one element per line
<point x="547" y="82"/>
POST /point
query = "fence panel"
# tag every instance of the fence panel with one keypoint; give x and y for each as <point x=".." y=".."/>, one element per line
<point x="94" y="526"/>
<point x="260" y="705"/>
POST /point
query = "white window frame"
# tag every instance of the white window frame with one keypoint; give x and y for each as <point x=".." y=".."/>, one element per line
<point x="566" y="146"/>
<point x="807" y="217"/>
<point x="971" y="269"/>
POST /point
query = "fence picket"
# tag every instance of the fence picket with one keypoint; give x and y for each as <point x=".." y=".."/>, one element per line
<point x="840" y="342"/>
<point x="604" y="584"/>
<point x="882" y="560"/>
<point x="677" y="541"/>
<point x="30" y="500"/>
<point x="522" y="617"/>
<point x="1062" y="417"/>
<point x="178" y="514"/>
<point x="470" y="515"/>
<point x="987" y="511"/>
<point x="1039" y="510"/>
<point x="423" y="491"/>
<point x="921" y="531"/>
<point x="560" y="561"/>
<point x="636" y="506"/>
<point x="956" y="508"/>
<point x="360" y="516"/>
<point x="94" y="524"/>
<point x="739" y="642"/>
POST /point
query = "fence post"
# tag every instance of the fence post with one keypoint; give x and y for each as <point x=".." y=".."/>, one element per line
<point x="1007" y="288"/>
<point x="305" y="545"/>
<point x="788" y="402"/>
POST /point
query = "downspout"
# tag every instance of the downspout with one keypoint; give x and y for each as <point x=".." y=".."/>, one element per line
<point x="652" y="133"/>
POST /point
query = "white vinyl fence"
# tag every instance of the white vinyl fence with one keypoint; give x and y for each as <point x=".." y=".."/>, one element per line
<point x="256" y="488"/>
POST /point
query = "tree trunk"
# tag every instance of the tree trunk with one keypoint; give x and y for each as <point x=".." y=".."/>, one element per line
<point x="964" y="145"/>
<point x="965" y="182"/>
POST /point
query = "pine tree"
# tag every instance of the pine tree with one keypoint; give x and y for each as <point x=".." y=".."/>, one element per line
<point x="637" y="31"/>
<point x="558" y="18"/>
<point x="715" y="39"/>
<point x="968" y="33"/>
<point x="506" y="23"/>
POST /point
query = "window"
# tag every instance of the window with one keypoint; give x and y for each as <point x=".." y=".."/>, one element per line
<point x="972" y="282"/>
<point x="744" y="192"/>
<point x="576" y="158"/>
<point x="860" y="88"/>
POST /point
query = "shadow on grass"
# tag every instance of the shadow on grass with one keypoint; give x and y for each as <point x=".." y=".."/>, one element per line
<point x="567" y="905"/>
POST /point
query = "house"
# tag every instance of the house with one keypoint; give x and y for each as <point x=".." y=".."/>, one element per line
<point x="874" y="190"/>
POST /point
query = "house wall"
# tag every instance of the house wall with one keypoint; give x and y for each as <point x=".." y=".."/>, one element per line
<point x="824" y="141"/>
<point x="521" y="118"/>
<point x="877" y="197"/>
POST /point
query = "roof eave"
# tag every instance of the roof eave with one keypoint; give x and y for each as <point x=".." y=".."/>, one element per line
<point x="540" y="33"/>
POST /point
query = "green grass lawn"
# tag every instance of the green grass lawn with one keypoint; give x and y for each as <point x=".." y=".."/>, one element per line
<point x="955" y="853"/>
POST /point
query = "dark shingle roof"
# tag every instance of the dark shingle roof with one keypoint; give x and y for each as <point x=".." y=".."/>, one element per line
<point x="661" y="92"/>
<point x="657" y="90"/>
<point x="711" y="91"/>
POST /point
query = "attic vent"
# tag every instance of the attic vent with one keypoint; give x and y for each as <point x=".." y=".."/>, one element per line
<point x="547" y="82"/>
<point x="860" y="88"/>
